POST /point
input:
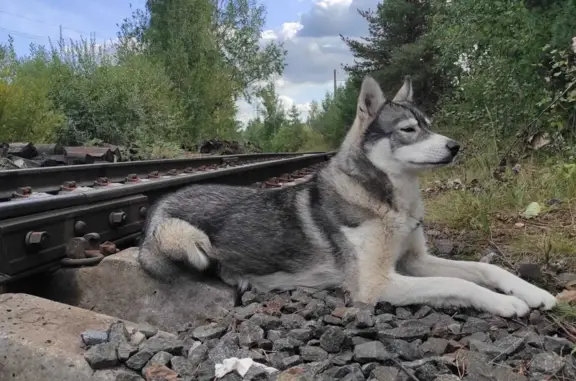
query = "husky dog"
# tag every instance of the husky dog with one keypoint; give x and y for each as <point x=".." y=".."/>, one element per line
<point x="356" y="224"/>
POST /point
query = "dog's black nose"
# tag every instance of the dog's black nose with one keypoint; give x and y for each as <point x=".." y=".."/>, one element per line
<point x="453" y="147"/>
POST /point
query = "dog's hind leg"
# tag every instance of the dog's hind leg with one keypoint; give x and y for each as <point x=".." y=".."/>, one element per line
<point x="419" y="263"/>
<point x="173" y="241"/>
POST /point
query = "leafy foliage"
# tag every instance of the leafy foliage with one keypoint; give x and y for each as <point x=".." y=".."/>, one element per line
<point x="172" y="80"/>
<point x="202" y="43"/>
<point x="118" y="104"/>
<point x="275" y="130"/>
<point x="501" y="70"/>
<point x="561" y="95"/>
<point x="399" y="44"/>
<point x="26" y="111"/>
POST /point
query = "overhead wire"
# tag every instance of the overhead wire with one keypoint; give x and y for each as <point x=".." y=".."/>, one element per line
<point x="32" y="36"/>
<point x="43" y="22"/>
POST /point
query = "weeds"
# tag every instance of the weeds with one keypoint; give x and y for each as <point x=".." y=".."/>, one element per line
<point x="491" y="206"/>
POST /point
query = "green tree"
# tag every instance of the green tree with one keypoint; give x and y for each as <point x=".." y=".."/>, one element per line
<point x="211" y="50"/>
<point x="499" y="47"/>
<point x="398" y="45"/>
<point x="290" y="137"/>
<point x="314" y="113"/>
<point x="254" y="132"/>
<point x="180" y="34"/>
<point x="118" y="103"/>
<point x="294" y="117"/>
<point x="338" y="113"/>
<point x="274" y="116"/>
<point x="239" y="27"/>
<point x="26" y="111"/>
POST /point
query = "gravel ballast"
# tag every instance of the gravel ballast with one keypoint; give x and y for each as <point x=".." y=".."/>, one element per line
<point x="306" y="335"/>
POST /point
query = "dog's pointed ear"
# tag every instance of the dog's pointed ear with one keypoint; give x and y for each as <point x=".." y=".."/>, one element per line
<point x="370" y="99"/>
<point x="405" y="94"/>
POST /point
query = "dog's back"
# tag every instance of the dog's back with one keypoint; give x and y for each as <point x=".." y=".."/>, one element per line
<point x="251" y="236"/>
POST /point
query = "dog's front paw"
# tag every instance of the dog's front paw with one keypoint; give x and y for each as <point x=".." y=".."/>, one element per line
<point x="508" y="306"/>
<point x="534" y="296"/>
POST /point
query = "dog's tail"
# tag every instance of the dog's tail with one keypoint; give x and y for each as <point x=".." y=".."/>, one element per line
<point x="170" y="244"/>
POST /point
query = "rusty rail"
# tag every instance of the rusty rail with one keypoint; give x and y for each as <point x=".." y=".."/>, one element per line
<point x="18" y="183"/>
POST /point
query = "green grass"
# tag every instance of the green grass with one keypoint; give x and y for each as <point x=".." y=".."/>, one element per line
<point x="489" y="209"/>
<point x="490" y="214"/>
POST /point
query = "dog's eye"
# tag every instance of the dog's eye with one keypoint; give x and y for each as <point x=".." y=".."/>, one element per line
<point x="409" y="129"/>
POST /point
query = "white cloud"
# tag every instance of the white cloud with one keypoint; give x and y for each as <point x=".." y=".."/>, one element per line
<point x="330" y="4"/>
<point x="315" y="49"/>
<point x="290" y="29"/>
<point x="300" y="94"/>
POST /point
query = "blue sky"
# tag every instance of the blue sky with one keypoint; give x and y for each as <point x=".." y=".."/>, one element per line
<point x="309" y="28"/>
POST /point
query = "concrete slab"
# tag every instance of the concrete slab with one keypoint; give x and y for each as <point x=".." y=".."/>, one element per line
<point x="40" y="340"/>
<point x="119" y="287"/>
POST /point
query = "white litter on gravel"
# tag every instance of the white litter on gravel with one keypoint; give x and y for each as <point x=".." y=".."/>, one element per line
<point x="241" y="366"/>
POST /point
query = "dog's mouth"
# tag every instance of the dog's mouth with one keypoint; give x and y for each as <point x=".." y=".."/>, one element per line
<point x="433" y="163"/>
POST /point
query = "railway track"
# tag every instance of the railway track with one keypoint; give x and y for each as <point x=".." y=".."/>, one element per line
<point x="73" y="216"/>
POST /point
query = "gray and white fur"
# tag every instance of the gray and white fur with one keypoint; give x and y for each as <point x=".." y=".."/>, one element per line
<point x="356" y="224"/>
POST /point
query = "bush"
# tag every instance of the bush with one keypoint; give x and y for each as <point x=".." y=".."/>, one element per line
<point x="77" y="93"/>
<point x="26" y="111"/>
<point x="171" y="81"/>
<point x="117" y="102"/>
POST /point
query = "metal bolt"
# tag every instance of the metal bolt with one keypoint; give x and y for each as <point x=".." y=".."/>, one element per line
<point x="117" y="218"/>
<point x="76" y="247"/>
<point x="22" y="192"/>
<point x="285" y="178"/>
<point x="143" y="211"/>
<point x="172" y="172"/>
<point x="273" y="183"/>
<point x="101" y="182"/>
<point x="132" y="178"/>
<point x="37" y="240"/>
<point x="153" y="175"/>
<point x="80" y="228"/>
<point x="92" y="237"/>
<point x="68" y="185"/>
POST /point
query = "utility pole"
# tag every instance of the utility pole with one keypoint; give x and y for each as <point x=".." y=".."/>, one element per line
<point x="334" y="82"/>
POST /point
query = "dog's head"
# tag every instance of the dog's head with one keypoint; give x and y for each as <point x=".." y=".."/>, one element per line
<point x="395" y="135"/>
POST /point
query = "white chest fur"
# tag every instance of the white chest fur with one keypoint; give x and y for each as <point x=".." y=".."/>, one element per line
<point x="387" y="238"/>
<point x="381" y="243"/>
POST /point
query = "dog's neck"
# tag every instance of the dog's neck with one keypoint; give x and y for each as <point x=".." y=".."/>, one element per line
<point x="362" y="185"/>
<point x="407" y="193"/>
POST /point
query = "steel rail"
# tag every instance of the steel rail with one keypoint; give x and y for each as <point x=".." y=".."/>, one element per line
<point x="51" y="179"/>
<point x="37" y="233"/>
